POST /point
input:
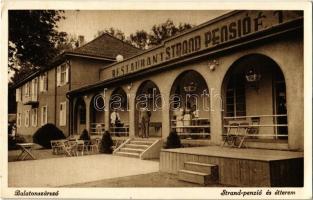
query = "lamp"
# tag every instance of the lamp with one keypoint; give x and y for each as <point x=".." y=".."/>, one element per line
<point x="212" y="64"/>
<point x="253" y="75"/>
<point x="191" y="87"/>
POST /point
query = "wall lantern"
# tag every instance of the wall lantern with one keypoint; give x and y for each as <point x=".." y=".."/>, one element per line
<point x="191" y="87"/>
<point x="212" y="64"/>
<point x="253" y="75"/>
<point x="129" y="87"/>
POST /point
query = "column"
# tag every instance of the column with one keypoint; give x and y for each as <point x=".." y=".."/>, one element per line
<point x="216" y="118"/>
<point x="87" y="100"/>
<point x="165" y="92"/>
<point x="132" y="114"/>
<point x="106" y="98"/>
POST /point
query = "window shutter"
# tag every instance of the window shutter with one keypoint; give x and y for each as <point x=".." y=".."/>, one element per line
<point x="64" y="113"/>
<point x="18" y="95"/>
<point x="36" y="116"/>
<point x="41" y="83"/>
<point x="67" y="73"/>
<point x="45" y="81"/>
<point x="58" y="75"/>
<point x="41" y="115"/>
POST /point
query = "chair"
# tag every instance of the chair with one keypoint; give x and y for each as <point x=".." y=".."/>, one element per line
<point x="56" y="147"/>
<point x="80" y="147"/>
<point x="66" y="148"/>
<point x="93" y="145"/>
<point x="230" y="137"/>
<point x="254" y="129"/>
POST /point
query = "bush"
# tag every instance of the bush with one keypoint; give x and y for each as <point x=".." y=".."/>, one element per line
<point x="84" y="135"/>
<point x="14" y="140"/>
<point x="106" y="143"/>
<point x="46" y="133"/>
<point x="173" y="141"/>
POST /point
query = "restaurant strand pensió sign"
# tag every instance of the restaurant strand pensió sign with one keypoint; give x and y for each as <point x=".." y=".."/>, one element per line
<point x="236" y="25"/>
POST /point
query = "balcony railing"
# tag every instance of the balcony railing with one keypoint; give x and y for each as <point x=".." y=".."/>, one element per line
<point x="197" y="128"/>
<point x="257" y="126"/>
<point x="122" y="131"/>
<point x="97" y="128"/>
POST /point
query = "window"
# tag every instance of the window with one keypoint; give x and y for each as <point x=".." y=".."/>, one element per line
<point x="62" y="74"/>
<point x="27" y="118"/>
<point x="34" y="117"/>
<point x="63" y="114"/>
<point x="26" y="90"/>
<point x="44" y="115"/>
<point x="19" y="120"/>
<point x="235" y="97"/>
<point x="18" y="95"/>
<point x="43" y="82"/>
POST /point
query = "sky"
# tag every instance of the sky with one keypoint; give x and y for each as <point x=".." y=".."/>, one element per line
<point x="88" y="22"/>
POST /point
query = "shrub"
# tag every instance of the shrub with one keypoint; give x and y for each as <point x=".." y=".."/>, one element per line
<point x="46" y="133"/>
<point x="173" y="141"/>
<point x="106" y="143"/>
<point x="84" y="135"/>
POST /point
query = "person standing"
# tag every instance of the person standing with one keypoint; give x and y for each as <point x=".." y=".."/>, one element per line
<point x="145" y="115"/>
<point x="115" y="118"/>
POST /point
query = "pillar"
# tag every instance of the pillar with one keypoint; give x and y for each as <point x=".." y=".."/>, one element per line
<point x="165" y="92"/>
<point x="106" y="98"/>
<point x="132" y="114"/>
<point x="87" y="99"/>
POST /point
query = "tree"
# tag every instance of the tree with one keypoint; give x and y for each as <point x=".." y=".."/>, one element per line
<point x="140" y="39"/>
<point x="143" y="40"/>
<point x="33" y="38"/>
<point x="114" y="32"/>
<point x="165" y="30"/>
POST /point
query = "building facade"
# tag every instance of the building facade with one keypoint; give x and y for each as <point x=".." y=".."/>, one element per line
<point x="245" y="67"/>
<point x="41" y="97"/>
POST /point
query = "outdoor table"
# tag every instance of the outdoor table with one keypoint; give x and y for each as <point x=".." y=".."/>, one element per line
<point x="26" y="149"/>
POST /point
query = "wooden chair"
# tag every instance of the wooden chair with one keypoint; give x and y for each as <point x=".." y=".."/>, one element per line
<point x="56" y="147"/>
<point x="93" y="146"/>
<point x="80" y="147"/>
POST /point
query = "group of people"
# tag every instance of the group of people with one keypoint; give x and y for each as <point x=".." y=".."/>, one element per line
<point x="144" y="120"/>
<point x="185" y="117"/>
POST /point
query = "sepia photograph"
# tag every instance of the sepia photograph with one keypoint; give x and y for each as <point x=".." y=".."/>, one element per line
<point x="162" y="98"/>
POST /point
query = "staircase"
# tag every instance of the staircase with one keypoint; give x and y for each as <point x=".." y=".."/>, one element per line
<point x="200" y="173"/>
<point x="142" y="148"/>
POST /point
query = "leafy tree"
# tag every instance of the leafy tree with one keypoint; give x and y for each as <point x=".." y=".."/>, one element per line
<point x="165" y="30"/>
<point x="32" y="39"/>
<point x="114" y="32"/>
<point x="140" y="39"/>
<point x="69" y="43"/>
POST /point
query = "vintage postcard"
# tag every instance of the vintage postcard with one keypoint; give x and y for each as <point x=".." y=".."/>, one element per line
<point x="156" y="100"/>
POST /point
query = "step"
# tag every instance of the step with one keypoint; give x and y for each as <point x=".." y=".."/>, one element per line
<point x="144" y="142"/>
<point x="127" y="154"/>
<point x="194" y="177"/>
<point x="201" y="167"/>
<point x="131" y="150"/>
<point x="137" y="146"/>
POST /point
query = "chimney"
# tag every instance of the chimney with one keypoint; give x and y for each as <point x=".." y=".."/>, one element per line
<point x="81" y="40"/>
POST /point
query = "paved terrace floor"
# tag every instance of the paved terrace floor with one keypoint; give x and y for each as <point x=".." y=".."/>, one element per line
<point x="56" y="172"/>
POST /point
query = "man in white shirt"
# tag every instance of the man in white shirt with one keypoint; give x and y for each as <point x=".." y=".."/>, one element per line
<point x="114" y="117"/>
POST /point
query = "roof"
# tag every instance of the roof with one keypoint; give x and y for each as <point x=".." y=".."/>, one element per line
<point x="107" y="46"/>
<point x="104" y="47"/>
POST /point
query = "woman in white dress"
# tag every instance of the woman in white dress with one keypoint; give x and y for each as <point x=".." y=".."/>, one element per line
<point x="179" y="120"/>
